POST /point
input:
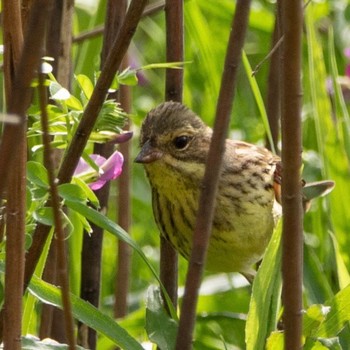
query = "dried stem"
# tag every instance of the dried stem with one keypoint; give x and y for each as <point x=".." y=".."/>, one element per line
<point x="150" y="10"/>
<point x="62" y="269"/>
<point x="211" y="176"/>
<point x="292" y="256"/>
<point x="58" y="46"/>
<point x="173" y="91"/>
<point x="92" y="244"/>
<point x="15" y="240"/>
<point x="20" y="89"/>
<point x="88" y="120"/>
<point x="16" y="194"/>
<point x="13" y="154"/>
<point x="124" y="216"/>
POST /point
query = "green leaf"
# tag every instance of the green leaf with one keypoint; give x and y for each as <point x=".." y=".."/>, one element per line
<point x="73" y="103"/>
<point x="85" y="84"/>
<point x="275" y="341"/>
<point x="322" y="344"/>
<point x="34" y="343"/>
<point x="58" y="92"/>
<point x="264" y="302"/>
<point x="72" y="192"/>
<point x="338" y="315"/>
<point x="313" y="317"/>
<point x="161" y="329"/>
<point x="173" y="65"/>
<point x="89" y="193"/>
<point x="258" y="98"/>
<point x="128" y="77"/>
<point x="102" y="221"/>
<point x="44" y="215"/>
<point x="37" y="174"/>
<point x="342" y="271"/>
<point x="85" y="313"/>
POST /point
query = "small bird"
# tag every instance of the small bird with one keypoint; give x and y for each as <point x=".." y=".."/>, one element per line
<point x="174" y="146"/>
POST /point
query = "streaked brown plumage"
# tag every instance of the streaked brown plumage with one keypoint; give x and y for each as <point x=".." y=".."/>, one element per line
<point x="174" y="146"/>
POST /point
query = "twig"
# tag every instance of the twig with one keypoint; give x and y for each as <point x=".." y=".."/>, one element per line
<point x="87" y="122"/>
<point x="124" y="214"/>
<point x="292" y="242"/>
<point x="274" y="48"/>
<point x="268" y="56"/>
<point x="98" y="31"/>
<point x="62" y="269"/>
<point x="16" y="194"/>
<point x="173" y="91"/>
<point x="273" y="100"/>
<point x="211" y="176"/>
<point x="21" y="90"/>
<point x="92" y="244"/>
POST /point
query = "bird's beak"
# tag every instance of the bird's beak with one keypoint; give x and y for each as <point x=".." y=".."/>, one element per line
<point x="148" y="154"/>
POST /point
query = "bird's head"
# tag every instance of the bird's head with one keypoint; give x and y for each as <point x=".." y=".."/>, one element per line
<point x="173" y="133"/>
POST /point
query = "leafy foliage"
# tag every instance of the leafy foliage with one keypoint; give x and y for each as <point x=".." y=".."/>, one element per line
<point x="230" y="314"/>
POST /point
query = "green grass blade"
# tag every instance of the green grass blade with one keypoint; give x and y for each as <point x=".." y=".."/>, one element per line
<point x="258" y="98"/>
<point x="85" y="313"/>
<point x="264" y="302"/>
<point x="102" y="221"/>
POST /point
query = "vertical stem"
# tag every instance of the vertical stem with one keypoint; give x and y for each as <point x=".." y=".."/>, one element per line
<point x="60" y="241"/>
<point x="173" y="91"/>
<point x="92" y="245"/>
<point x="124" y="217"/>
<point x="16" y="191"/>
<point x="15" y="239"/>
<point x="18" y="102"/>
<point x="87" y="122"/>
<point x="58" y="46"/>
<point x="65" y="44"/>
<point x="291" y="161"/>
<point x="13" y="41"/>
<point x="19" y="99"/>
<point x="211" y="176"/>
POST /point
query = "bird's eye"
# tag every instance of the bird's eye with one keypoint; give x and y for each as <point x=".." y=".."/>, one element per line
<point x="180" y="142"/>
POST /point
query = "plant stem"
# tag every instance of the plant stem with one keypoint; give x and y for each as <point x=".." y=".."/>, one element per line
<point x="63" y="277"/>
<point x="211" y="176"/>
<point x="292" y="256"/>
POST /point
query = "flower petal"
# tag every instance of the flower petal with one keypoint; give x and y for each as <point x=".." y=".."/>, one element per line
<point x="82" y="167"/>
<point x="97" y="184"/>
<point x="123" y="137"/>
<point x="112" y="167"/>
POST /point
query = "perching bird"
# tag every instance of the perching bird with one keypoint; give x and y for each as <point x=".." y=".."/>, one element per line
<point x="174" y="146"/>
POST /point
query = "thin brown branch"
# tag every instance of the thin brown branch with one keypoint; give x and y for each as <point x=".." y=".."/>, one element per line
<point x="12" y="151"/>
<point x="269" y="55"/>
<point x="124" y="215"/>
<point x="13" y="41"/>
<point x="62" y="269"/>
<point x="15" y="240"/>
<point x="274" y="48"/>
<point x="150" y="10"/>
<point x="88" y="120"/>
<point x="21" y="90"/>
<point x="211" y="176"/>
<point x="292" y="243"/>
<point x="105" y="80"/>
<point x="58" y="46"/>
<point x="173" y="91"/>
<point x="92" y="245"/>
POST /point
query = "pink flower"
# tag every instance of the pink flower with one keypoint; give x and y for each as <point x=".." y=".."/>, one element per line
<point x="109" y="169"/>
